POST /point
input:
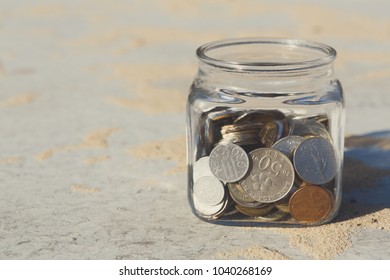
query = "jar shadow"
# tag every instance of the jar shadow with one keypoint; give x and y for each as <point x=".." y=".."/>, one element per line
<point x="366" y="175"/>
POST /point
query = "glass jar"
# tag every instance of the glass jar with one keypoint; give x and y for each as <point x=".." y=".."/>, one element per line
<point x="265" y="133"/>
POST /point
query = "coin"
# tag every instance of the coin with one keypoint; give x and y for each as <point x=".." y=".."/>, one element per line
<point x="230" y="209"/>
<point x="273" y="131"/>
<point x="240" y="138"/>
<point x="241" y="127"/>
<point x="201" y="168"/>
<point x="255" y="212"/>
<point x="210" y="211"/>
<point x="310" y="127"/>
<point x="209" y="190"/>
<point x="288" y="144"/>
<point x="315" y="161"/>
<point x="241" y="134"/>
<point x="271" y="175"/>
<point x="229" y="163"/>
<point x="273" y="216"/>
<point x="269" y="134"/>
<point x="310" y="204"/>
<point x="282" y="204"/>
<point x="213" y="122"/>
<point x="241" y="197"/>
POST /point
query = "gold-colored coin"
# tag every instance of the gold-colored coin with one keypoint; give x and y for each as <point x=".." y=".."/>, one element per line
<point x="268" y="134"/>
<point x="272" y="216"/>
<point x="273" y="131"/>
<point x="303" y="183"/>
<point x="240" y="138"/>
<point x="241" y="197"/>
<point x="282" y="204"/>
<point x="256" y="212"/>
<point x="311" y="204"/>
<point x="241" y="127"/>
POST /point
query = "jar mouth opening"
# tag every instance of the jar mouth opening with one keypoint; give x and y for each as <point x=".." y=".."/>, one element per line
<point x="265" y="55"/>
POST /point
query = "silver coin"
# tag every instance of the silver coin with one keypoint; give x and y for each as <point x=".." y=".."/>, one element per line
<point x="315" y="161"/>
<point x="201" y="168"/>
<point x="288" y="144"/>
<point x="209" y="190"/>
<point x="229" y="163"/>
<point x="310" y="127"/>
<point x="210" y="211"/>
<point x="271" y="176"/>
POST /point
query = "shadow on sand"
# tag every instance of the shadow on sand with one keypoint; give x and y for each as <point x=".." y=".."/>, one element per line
<point x="366" y="176"/>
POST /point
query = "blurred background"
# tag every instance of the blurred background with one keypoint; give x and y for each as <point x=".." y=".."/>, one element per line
<point x="92" y="126"/>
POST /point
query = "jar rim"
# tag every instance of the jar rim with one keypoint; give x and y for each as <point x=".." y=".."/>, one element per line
<point x="322" y="54"/>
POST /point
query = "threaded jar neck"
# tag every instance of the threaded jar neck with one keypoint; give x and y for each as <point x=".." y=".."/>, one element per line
<point x="266" y="55"/>
<point x="269" y="65"/>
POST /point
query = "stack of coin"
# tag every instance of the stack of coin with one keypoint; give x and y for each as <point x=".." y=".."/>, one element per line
<point x="241" y="134"/>
<point x="209" y="194"/>
<point x="254" y="129"/>
<point x="270" y="166"/>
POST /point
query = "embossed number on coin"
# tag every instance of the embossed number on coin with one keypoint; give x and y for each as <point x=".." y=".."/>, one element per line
<point x="229" y="163"/>
<point x="271" y="176"/>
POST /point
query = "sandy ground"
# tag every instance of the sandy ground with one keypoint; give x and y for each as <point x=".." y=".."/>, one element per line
<point x="92" y="121"/>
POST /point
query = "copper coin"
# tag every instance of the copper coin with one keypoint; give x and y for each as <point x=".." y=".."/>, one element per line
<point x="310" y="204"/>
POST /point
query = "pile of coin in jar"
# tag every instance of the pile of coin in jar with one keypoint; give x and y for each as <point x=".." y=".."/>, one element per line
<point x="266" y="167"/>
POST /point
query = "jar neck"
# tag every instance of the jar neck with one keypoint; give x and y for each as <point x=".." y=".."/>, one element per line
<point x="294" y="81"/>
<point x="266" y="65"/>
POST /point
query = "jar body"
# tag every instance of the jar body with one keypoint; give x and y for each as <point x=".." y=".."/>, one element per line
<point x="265" y="146"/>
